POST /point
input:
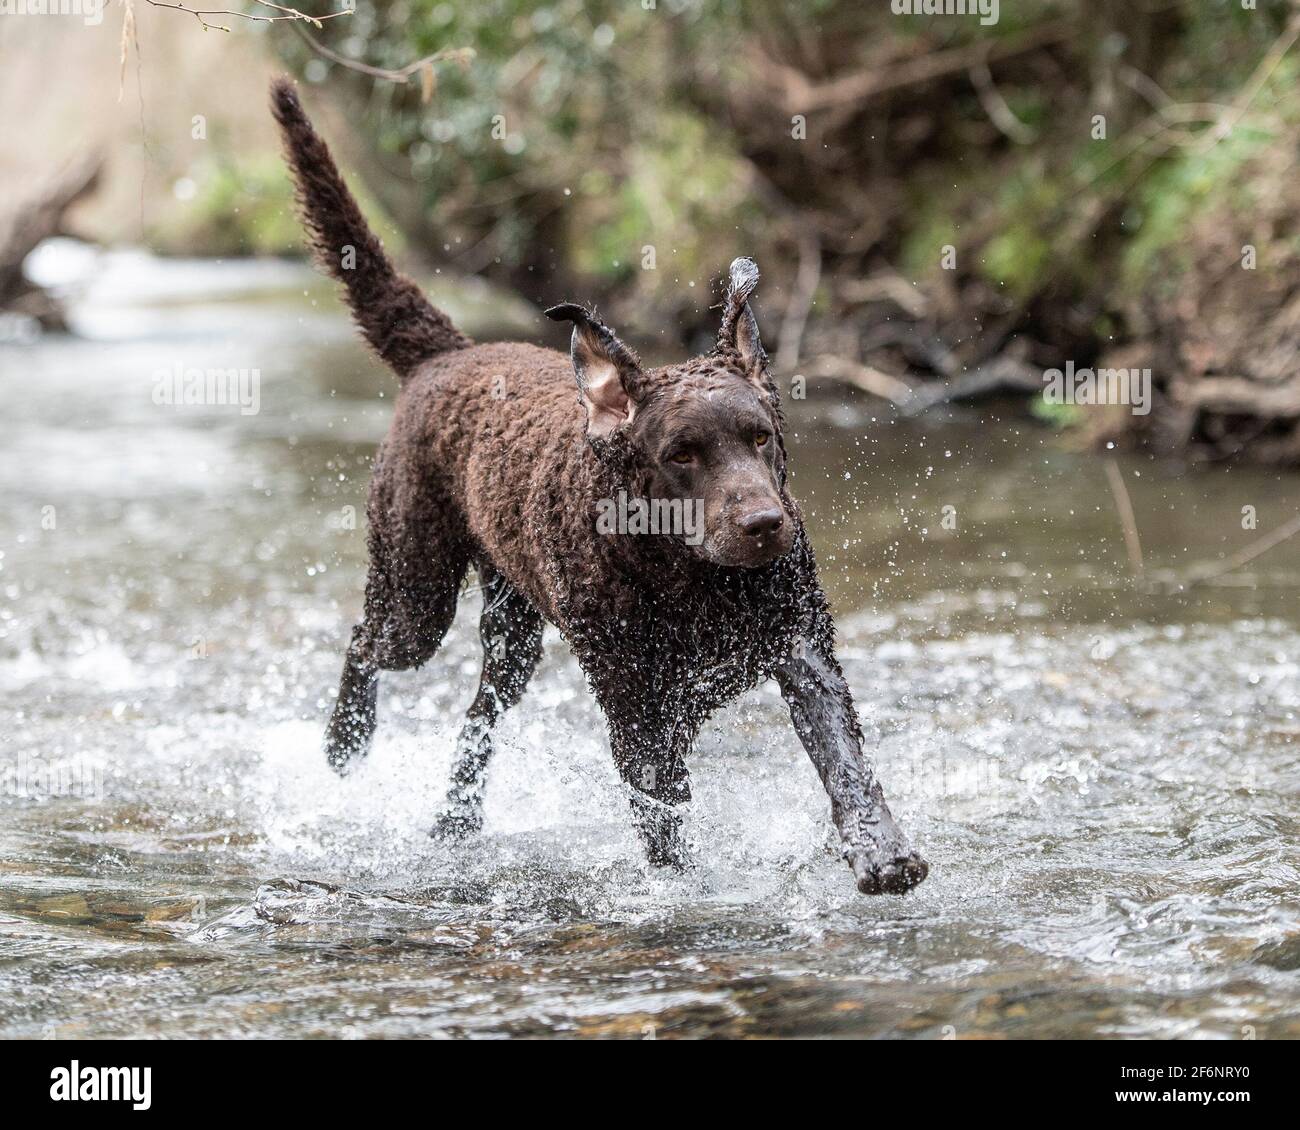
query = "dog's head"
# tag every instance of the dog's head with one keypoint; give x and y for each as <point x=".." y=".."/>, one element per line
<point x="705" y="433"/>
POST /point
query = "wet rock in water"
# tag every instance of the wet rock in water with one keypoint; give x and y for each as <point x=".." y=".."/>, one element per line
<point x="65" y="908"/>
<point x="1284" y="955"/>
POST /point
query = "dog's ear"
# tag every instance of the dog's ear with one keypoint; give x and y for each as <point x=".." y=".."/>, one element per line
<point x="739" y="330"/>
<point x="608" y="372"/>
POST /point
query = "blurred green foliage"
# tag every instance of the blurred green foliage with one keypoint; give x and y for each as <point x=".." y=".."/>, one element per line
<point x="240" y="207"/>
<point x="1058" y="415"/>
<point x="243" y="205"/>
<point x="585" y="131"/>
<point x="571" y="125"/>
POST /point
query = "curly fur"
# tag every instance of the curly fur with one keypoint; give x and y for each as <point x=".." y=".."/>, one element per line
<point x="390" y="310"/>
<point x="488" y="464"/>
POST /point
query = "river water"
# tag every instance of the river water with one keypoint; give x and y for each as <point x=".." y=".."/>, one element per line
<point x="1103" y="777"/>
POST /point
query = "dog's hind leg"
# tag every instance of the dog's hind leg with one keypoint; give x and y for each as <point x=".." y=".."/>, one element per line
<point x="511" y="632"/>
<point x="404" y="625"/>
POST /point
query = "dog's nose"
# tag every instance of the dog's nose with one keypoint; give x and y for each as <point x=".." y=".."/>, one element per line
<point x="762" y="522"/>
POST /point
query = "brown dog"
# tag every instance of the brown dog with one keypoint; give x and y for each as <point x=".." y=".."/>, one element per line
<point x="493" y="461"/>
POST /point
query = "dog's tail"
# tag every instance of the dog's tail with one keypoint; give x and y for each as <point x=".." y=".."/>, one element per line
<point x="393" y="315"/>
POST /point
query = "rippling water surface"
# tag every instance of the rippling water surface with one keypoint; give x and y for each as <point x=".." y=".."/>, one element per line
<point x="1104" y="778"/>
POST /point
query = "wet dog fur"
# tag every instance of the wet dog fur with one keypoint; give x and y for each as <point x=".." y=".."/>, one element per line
<point x="497" y="458"/>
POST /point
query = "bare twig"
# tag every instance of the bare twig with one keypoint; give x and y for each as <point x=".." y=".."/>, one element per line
<point x="423" y="67"/>
<point x="287" y="14"/>
<point x="995" y="106"/>
<point x="803" y="95"/>
<point x="1001" y="372"/>
<point x="1262" y="73"/>
<point x="801" y="299"/>
<point x="128" y="31"/>
<point x="1227" y="394"/>
<point x="1209" y="570"/>
<point x="1124" y="504"/>
<point x="887" y="285"/>
<point x="870" y="380"/>
<point x="1144" y="85"/>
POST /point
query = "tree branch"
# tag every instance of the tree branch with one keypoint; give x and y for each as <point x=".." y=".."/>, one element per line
<point x="288" y="14"/>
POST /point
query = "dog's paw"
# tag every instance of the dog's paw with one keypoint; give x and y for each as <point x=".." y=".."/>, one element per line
<point x="457" y="824"/>
<point x="895" y="876"/>
<point x="343" y="745"/>
<point x="338" y="758"/>
<point x="670" y="858"/>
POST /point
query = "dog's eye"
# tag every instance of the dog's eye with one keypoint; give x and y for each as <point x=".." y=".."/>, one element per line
<point x="761" y="439"/>
<point x="681" y="458"/>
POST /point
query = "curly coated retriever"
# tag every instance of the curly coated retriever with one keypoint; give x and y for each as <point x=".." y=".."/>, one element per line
<point x="501" y="456"/>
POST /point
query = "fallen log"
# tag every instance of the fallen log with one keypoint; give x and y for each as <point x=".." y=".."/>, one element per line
<point x="1004" y="373"/>
<point x="32" y="222"/>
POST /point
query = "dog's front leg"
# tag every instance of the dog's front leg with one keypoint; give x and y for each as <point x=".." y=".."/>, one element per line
<point x="651" y="761"/>
<point x="821" y="708"/>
